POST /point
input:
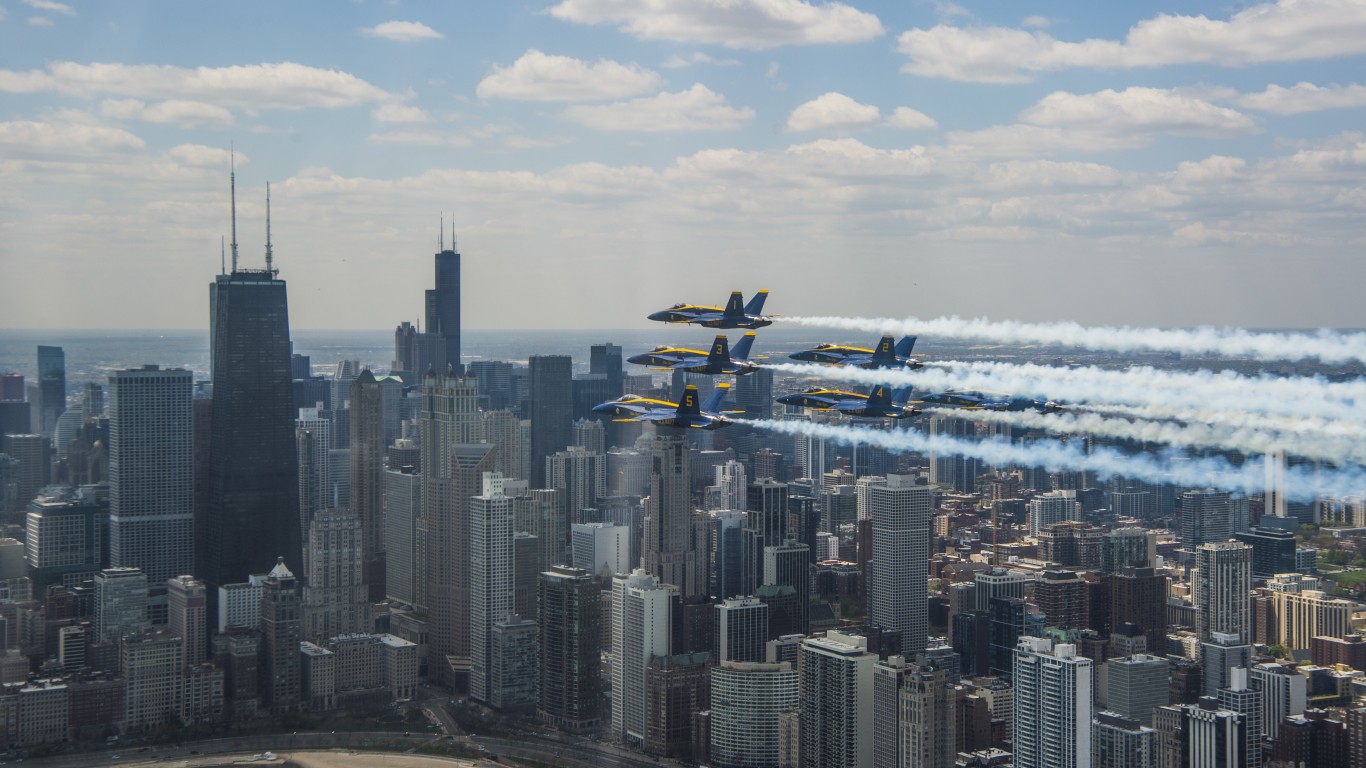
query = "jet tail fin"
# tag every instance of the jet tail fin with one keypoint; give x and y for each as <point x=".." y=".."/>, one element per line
<point x="878" y="399"/>
<point x="735" y="305"/>
<point x="720" y="350"/>
<point x="885" y="354"/>
<point x="904" y="347"/>
<point x="756" y="304"/>
<point x="688" y="404"/>
<point x="901" y="396"/>
<point x="742" y="347"/>
<point x="718" y="395"/>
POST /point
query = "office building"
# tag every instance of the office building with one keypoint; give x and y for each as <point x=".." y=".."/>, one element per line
<point x="570" y="690"/>
<point x="898" y="597"/>
<point x="550" y="404"/>
<point x="187" y="616"/>
<point x="1219" y="656"/>
<point x="835" y="701"/>
<point x="1136" y="685"/>
<point x="1121" y="742"/>
<point x="1061" y="595"/>
<point x="997" y="582"/>
<point x="281" y="633"/>
<point x="367" y="477"/>
<point x="1284" y="692"/>
<point x="601" y="548"/>
<point x="741" y="629"/>
<point x="580" y="476"/>
<point x="66" y="530"/>
<point x="490" y="576"/>
<point x="151" y="468"/>
<point x="951" y="469"/>
<point x="670" y="549"/>
<point x="514" y="660"/>
<point x="1200" y="736"/>
<point x="335" y="597"/>
<point x="313" y="447"/>
<point x="1305" y="614"/>
<point x="1052" y="705"/>
<point x="747" y="699"/>
<point x="1206" y="516"/>
<point x="642" y="609"/>
<point x="51" y="388"/>
<point x="403" y="546"/>
<point x="1138" y="596"/>
<point x="443" y="311"/>
<point x="251" y="515"/>
<point x="1052" y="507"/>
<point x="1239" y="697"/>
<point x="152" y="663"/>
<point x="1273" y="551"/>
<point x="789" y="565"/>
<point x="120" y="603"/>
<point x="1072" y="543"/>
<point x="31" y="472"/>
<point x="677" y="688"/>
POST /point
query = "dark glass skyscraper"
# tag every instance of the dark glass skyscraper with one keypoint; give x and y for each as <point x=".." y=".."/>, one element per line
<point x="443" y="307"/>
<point x="250" y="515"/>
<point x="551" y="407"/>
<point x="51" y="387"/>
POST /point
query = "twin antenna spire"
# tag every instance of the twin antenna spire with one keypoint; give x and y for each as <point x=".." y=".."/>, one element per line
<point x="441" y="234"/>
<point x="270" y="255"/>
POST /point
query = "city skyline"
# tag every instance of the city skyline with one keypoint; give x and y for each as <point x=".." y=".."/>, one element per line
<point x="576" y="144"/>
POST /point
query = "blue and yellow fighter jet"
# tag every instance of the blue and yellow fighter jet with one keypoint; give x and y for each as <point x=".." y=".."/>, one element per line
<point x="876" y="404"/>
<point x="686" y="414"/>
<point x="720" y="360"/>
<point x="736" y="314"/>
<point x="977" y="400"/>
<point x="886" y="355"/>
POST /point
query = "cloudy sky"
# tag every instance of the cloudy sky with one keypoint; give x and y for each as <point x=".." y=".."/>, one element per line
<point x="1109" y="163"/>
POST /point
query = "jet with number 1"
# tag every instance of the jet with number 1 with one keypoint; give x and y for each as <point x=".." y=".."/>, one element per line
<point x="736" y="314"/>
<point x="686" y="414"/>
<point x="886" y="355"/>
<point x="720" y="360"/>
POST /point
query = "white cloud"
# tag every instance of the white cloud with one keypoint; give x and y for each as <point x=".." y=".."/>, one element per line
<point x="206" y="157"/>
<point x="832" y="111"/>
<point x="31" y="138"/>
<point x="1137" y="110"/>
<point x="1287" y="30"/>
<point x="400" y="113"/>
<point x="1304" y="97"/>
<point x="696" y="109"/>
<point x="1021" y="141"/>
<point x="678" y="62"/>
<point x="909" y="119"/>
<point x="538" y="76"/>
<point x="49" y="5"/>
<point x="422" y="138"/>
<point x="182" y="112"/>
<point x="402" y="31"/>
<point x="749" y="24"/>
<point x="254" y="86"/>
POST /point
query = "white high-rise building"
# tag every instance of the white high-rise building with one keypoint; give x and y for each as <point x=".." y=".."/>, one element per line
<point x="1052" y="507"/>
<point x="151" y="472"/>
<point x="1284" y="692"/>
<point x="901" y="553"/>
<point x="1223" y="584"/>
<point x="313" y="446"/>
<point x="1052" y="701"/>
<point x="732" y="484"/>
<point x="186" y="616"/>
<point x="580" y="476"/>
<point x="835" y="701"/>
<point x="600" y="547"/>
<point x="491" y="581"/>
<point x="641" y="626"/>
<point x="746" y="700"/>
<point x="1121" y="742"/>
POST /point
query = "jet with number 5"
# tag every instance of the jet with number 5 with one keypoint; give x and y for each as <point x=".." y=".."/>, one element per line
<point x="978" y="400"/>
<point x="686" y="414"/>
<point x="878" y="403"/>
<point x="886" y="355"/>
<point x="720" y="360"/>
<point x="736" y="314"/>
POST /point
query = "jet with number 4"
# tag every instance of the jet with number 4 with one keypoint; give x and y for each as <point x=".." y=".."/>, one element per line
<point x="720" y="360"/>
<point x="978" y="400"/>
<point x="736" y="314"/>
<point x="886" y="355"/>
<point x="686" y="414"/>
<point x="878" y="403"/>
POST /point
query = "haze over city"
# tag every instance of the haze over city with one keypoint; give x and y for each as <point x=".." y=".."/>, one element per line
<point x="1141" y="164"/>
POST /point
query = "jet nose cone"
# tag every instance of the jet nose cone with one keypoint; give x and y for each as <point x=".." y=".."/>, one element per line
<point x="638" y="359"/>
<point x="661" y="316"/>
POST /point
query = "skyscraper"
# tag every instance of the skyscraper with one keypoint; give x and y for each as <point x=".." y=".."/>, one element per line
<point x="741" y="629"/>
<point x="901" y="553"/>
<point x="581" y="477"/>
<point x="281" y="632"/>
<point x="746" y="701"/>
<point x="151" y="472"/>
<point x="670" y="546"/>
<point x="335" y="598"/>
<point x="642" y="610"/>
<point x="835" y="701"/>
<point x="251" y="513"/>
<point x="1222" y="586"/>
<point x="186" y="617"/>
<point x="1052" y="705"/>
<point x="1206" y="516"/>
<point x="550" y="403"/>
<point x="51" y="389"/>
<point x="367" y="477"/>
<point x="490" y="575"/>
<point x="571" y="630"/>
<point x="443" y="309"/>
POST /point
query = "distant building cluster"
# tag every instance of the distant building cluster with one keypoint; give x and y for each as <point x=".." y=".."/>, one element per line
<point x="271" y="541"/>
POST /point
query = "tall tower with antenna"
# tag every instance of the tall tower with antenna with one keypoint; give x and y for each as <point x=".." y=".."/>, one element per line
<point x="249" y="517"/>
<point x="443" y="304"/>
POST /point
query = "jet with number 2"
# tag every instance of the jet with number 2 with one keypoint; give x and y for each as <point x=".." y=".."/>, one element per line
<point x="878" y="403"/>
<point x="886" y="355"/>
<point x="736" y="314"/>
<point x="720" y="360"/>
<point x="686" y="414"/>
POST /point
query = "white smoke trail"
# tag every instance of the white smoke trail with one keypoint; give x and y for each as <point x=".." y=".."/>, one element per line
<point x="1325" y="345"/>
<point x="1297" y="426"/>
<point x="1103" y="462"/>
<point x="1339" y="449"/>
<point x="1299" y="397"/>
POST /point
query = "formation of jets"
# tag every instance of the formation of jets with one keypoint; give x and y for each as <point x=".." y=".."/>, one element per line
<point x="878" y="402"/>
